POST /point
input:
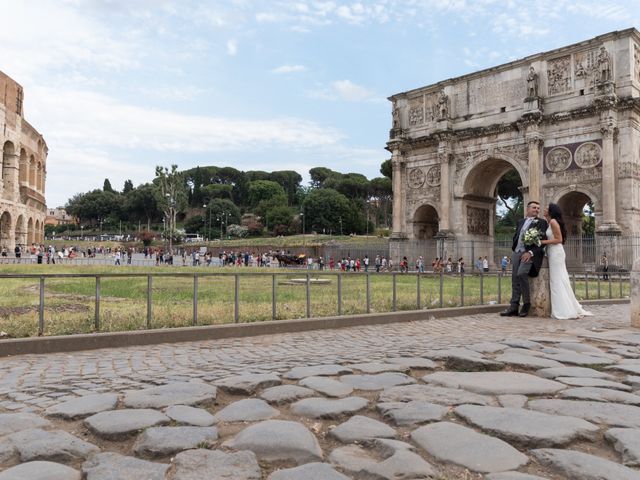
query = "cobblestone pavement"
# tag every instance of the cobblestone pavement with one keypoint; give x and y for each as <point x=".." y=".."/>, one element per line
<point x="462" y="398"/>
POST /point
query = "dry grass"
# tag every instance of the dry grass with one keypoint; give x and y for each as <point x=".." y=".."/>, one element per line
<point x="70" y="303"/>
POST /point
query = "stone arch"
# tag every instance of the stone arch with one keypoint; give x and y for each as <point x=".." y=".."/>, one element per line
<point x="31" y="237"/>
<point x="572" y="201"/>
<point x="6" y="231"/>
<point x="481" y="178"/>
<point x="426" y="222"/>
<point x="32" y="171"/>
<point x="37" y="232"/>
<point x="20" y="232"/>
<point x="23" y="174"/>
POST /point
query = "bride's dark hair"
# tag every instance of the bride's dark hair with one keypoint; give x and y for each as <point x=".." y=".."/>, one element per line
<point x="556" y="214"/>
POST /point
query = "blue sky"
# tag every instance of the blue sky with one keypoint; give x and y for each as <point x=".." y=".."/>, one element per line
<point x="117" y="87"/>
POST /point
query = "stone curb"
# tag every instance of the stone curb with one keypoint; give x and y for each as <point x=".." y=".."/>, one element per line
<point x="94" y="341"/>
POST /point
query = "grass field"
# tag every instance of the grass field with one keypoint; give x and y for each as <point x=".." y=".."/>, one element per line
<point x="70" y="302"/>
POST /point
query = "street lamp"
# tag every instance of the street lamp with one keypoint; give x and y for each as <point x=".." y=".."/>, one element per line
<point x="205" y="221"/>
<point x="82" y="232"/>
<point x="303" y="223"/>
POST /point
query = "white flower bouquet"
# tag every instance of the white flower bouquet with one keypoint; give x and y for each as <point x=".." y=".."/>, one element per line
<point x="533" y="236"/>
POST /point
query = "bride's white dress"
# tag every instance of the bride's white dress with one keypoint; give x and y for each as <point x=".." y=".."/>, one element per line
<point x="563" y="302"/>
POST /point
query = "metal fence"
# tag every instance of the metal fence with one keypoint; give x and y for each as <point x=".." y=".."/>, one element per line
<point x="332" y="293"/>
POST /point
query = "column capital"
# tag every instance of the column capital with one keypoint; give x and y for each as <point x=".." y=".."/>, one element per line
<point x="534" y="140"/>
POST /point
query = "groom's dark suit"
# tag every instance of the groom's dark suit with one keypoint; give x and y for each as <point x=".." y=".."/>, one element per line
<point x="523" y="270"/>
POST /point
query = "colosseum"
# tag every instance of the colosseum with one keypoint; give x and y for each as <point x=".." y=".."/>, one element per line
<point x="22" y="173"/>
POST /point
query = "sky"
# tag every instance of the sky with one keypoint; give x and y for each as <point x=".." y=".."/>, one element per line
<point x="119" y="86"/>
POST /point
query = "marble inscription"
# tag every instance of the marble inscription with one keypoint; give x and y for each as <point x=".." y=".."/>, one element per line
<point x="486" y="93"/>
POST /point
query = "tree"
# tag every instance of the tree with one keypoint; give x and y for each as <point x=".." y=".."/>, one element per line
<point x="319" y="175"/>
<point x="223" y="212"/>
<point x="381" y="198"/>
<point x="260" y="190"/>
<point x="96" y="206"/>
<point x="143" y="203"/>
<point x="323" y="209"/>
<point x="128" y="186"/>
<point x="510" y="195"/>
<point x="386" y="169"/>
<point x="290" y="181"/>
<point x="107" y="186"/>
<point x="173" y="197"/>
<point x="215" y="190"/>
<point x="280" y="219"/>
<point x="588" y="220"/>
<point x="351" y="185"/>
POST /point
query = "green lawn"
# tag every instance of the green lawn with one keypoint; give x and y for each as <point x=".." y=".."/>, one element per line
<point x="70" y="303"/>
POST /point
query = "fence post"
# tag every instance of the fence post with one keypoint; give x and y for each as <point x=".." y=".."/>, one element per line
<point x="149" y="300"/>
<point x="236" y="299"/>
<point x="394" y="299"/>
<point x="368" y="292"/>
<point x="620" y="277"/>
<point x="573" y="281"/>
<point x="462" y="289"/>
<point x="500" y="288"/>
<point x="598" y="284"/>
<point x="339" y="293"/>
<point x="481" y="287"/>
<point x="41" y="309"/>
<point x="586" y="283"/>
<point x="441" y="289"/>
<point x="195" y="299"/>
<point x="96" y="321"/>
<point x="308" y="288"/>
<point x="418" y="299"/>
<point x="273" y="296"/>
<point x="609" y="281"/>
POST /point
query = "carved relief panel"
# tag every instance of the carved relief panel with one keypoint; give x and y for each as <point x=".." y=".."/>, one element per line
<point x="477" y="220"/>
<point x="416" y="178"/>
<point x="585" y="65"/>
<point x="573" y="156"/>
<point x="416" y="112"/>
<point x="588" y="155"/>
<point x="558" y="159"/>
<point x="636" y="61"/>
<point x="559" y="75"/>
<point x="433" y="176"/>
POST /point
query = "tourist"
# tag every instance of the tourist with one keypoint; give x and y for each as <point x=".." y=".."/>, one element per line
<point x="461" y="265"/>
<point x="478" y="264"/>
<point x="449" y="265"/>
<point x="118" y="256"/>
<point x="366" y="263"/>
<point x="504" y="263"/>
<point x="18" y="252"/>
<point x="485" y="264"/>
<point x="378" y="263"/>
<point x="604" y="262"/>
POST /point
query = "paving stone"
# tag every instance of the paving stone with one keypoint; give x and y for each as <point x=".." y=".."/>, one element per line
<point x="412" y="413"/>
<point x="632" y="380"/>
<point x="375" y="367"/>
<point x="524" y="351"/>
<point x="362" y="464"/>
<point x="53" y="446"/>
<point x="309" y="471"/>
<point x="579" y="347"/>
<point x="248" y="383"/>
<point x="513" y="401"/>
<point x="327" y="386"/>
<point x="614" y="414"/>
<point x="298" y="373"/>
<point x="527" y="361"/>
<point x="378" y="381"/>
<point x="466" y="360"/>
<point x="527" y="428"/>
<point x="160" y="441"/>
<point x="328" y="408"/>
<point x="246" y="410"/>
<point x="360" y="428"/>
<point x="117" y="424"/>
<point x="183" y="393"/>
<point x="215" y="464"/>
<point x="111" y="466"/>
<point x="626" y="441"/>
<point x="7" y="450"/>
<point x="83" y="406"/>
<point x="625" y="368"/>
<point x="463" y="446"/>
<point x="601" y="395"/>
<point x="278" y="440"/>
<point x="487" y="347"/>
<point x="14" y="422"/>
<point x="593" y="382"/>
<point x="582" y="372"/>
<point x="512" y="476"/>
<point x="184" y="414"/>
<point x="497" y="383"/>
<point x="580" y="359"/>
<point x="286" y="394"/>
<point x="578" y="465"/>
<point x="413" y="362"/>
<point x="40" y="471"/>
<point x="452" y="351"/>
<point x="434" y="394"/>
<point x="522" y="343"/>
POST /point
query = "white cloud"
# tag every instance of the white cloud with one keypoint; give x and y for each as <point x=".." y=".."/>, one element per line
<point x="232" y="47"/>
<point x="289" y="69"/>
<point x="344" y="90"/>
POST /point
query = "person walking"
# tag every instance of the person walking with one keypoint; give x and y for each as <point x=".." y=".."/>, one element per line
<point x="604" y="262"/>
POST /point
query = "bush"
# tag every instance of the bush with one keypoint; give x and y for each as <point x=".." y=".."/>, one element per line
<point x="147" y="237"/>
<point x="237" y="231"/>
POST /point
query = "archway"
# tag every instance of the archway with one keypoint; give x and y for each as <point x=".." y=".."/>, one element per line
<point x="20" y="233"/>
<point x="580" y="220"/>
<point x="38" y="177"/>
<point x="31" y="237"/>
<point x="6" y="231"/>
<point x="425" y="223"/>
<point x="37" y="232"/>
<point x="32" y="172"/>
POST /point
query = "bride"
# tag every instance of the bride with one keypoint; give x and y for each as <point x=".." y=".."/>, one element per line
<point x="563" y="302"/>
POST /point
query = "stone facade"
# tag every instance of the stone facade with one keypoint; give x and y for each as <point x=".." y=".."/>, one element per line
<point x="567" y="120"/>
<point x="23" y="172"/>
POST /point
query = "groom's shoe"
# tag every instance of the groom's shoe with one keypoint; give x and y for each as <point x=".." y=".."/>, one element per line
<point x="525" y="310"/>
<point x="512" y="311"/>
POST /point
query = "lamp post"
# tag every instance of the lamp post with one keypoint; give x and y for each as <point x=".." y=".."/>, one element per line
<point x="171" y="219"/>
<point x="303" y="223"/>
<point x="205" y="221"/>
<point x="82" y="232"/>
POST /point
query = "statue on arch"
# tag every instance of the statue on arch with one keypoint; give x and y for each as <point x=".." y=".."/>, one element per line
<point x="532" y="83"/>
<point x="396" y="116"/>
<point x="443" y="105"/>
<point x="604" y="65"/>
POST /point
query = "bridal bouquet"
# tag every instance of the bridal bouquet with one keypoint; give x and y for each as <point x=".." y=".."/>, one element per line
<point x="533" y="236"/>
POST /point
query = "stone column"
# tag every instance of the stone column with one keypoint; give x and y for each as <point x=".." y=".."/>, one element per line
<point x="444" y="155"/>
<point x="608" y="128"/>
<point x="398" y="165"/>
<point x="534" y="141"/>
<point x="635" y="294"/>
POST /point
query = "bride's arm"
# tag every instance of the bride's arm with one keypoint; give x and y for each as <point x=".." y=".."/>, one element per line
<point x="557" y="234"/>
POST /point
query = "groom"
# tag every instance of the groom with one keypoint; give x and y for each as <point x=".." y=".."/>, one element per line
<point x="526" y="260"/>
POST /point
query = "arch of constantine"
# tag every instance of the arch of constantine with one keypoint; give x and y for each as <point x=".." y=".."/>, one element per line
<point x="567" y="121"/>
<point x="22" y="172"/>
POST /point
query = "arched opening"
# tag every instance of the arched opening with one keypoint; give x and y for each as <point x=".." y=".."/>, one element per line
<point x="5" y="231"/>
<point x="23" y="174"/>
<point x="31" y="237"/>
<point x="7" y="154"/>
<point x="579" y="218"/>
<point x="21" y="233"/>
<point x="425" y="223"/>
<point x="32" y="172"/>
<point x="37" y="233"/>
